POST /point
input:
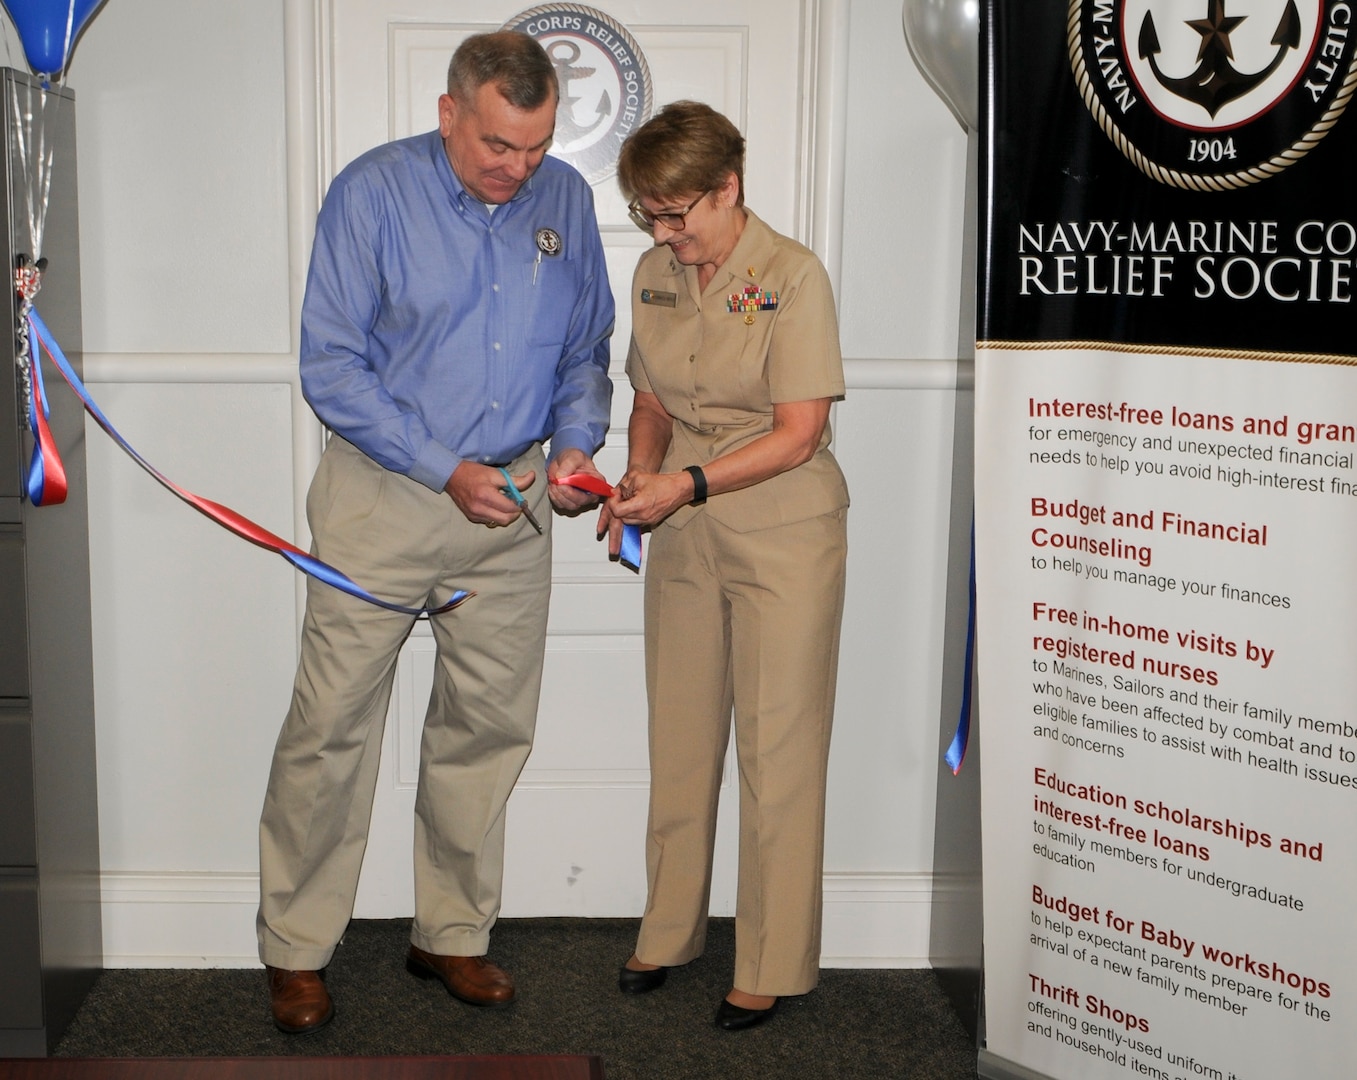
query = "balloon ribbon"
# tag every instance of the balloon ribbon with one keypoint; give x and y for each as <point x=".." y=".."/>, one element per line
<point x="630" y="553"/>
<point x="956" y="752"/>
<point x="222" y="515"/>
<point x="46" y="473"/>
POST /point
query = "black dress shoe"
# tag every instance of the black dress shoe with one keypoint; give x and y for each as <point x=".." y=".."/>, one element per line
<point x="640" y="982"/>
<point x="736" y="1018"/>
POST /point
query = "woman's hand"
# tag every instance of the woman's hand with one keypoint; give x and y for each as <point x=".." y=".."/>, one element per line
<point x="645" y="498"/>
<point x="642" y="498"/>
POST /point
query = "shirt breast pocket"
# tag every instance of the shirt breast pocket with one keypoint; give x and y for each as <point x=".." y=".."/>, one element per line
<point x="553" y="289"/>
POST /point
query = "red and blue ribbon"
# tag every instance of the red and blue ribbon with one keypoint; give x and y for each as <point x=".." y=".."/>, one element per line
<point x="46" y="473"/>
<point x="49" y="472"/>
<point x="629" y="554"/>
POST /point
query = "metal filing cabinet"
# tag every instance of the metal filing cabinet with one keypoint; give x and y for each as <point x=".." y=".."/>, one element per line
<point x="51" y="946"/>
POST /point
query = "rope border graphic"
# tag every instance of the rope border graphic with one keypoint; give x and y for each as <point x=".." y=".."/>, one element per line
<point x="1193" y="181"/>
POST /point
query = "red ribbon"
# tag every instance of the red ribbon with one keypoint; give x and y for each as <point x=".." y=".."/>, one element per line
<point x="630" y="553"/>
<point x="46" y="473"/>
<point x="222" y="515"/>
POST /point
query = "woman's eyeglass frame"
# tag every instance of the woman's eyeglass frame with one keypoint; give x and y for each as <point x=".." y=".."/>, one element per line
<point x="673" y="220"/>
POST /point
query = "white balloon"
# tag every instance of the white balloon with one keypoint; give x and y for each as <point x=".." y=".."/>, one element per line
<point x="944" y="39"/>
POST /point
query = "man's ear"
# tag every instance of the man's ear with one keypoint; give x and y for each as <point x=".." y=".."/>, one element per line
<point x="447" y="113"/>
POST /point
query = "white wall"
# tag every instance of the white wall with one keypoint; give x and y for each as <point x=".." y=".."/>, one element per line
<point x="189" y="302"/>
<point x="196" y="127"/>
<point x="899" y="290"/>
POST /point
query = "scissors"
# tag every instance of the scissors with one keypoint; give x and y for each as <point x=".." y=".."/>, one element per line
<point x="512" y="491"/>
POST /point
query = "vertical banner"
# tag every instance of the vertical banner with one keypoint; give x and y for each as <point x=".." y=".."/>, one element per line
<point x="1166" y="511"/>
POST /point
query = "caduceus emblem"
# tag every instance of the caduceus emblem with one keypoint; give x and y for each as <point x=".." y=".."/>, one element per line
<point x="1216" y="81"/>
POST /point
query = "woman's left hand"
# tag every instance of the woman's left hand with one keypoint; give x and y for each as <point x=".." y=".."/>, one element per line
<point x="642" y="498"/>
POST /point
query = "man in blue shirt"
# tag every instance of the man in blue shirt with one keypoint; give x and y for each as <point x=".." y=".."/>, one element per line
<point x="457" y="314"/>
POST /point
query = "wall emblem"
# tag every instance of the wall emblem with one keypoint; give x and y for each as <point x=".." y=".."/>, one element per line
<point x="606" y="92"/>
<point x="1209" y="95"/>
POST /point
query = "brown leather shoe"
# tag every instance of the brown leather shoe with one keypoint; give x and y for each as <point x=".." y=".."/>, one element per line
<point x="472" y="979"/>
<point x="301" y="1003"/>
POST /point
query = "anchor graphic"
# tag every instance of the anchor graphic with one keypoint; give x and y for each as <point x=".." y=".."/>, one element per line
<point x="1216" y="82"/>
<point x="563" y="55"/>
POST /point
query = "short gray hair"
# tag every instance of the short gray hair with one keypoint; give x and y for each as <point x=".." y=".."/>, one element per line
<point x="517" y="65"/>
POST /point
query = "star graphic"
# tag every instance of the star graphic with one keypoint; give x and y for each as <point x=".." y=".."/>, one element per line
<point x="1215" y="29"/>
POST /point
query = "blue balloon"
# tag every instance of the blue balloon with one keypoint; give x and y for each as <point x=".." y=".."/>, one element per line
<point x="49" y="29"/>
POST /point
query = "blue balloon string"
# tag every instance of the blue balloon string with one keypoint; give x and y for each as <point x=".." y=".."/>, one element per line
<point x="956" y="752"/>
<point x="37" y="472"/>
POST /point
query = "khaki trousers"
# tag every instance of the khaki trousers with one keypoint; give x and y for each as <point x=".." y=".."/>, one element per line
<point x="410" y="545"/>
<point x="749" y="620"/>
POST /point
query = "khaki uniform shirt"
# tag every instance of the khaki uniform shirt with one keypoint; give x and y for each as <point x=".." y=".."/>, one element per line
<point x="762" y="332"/>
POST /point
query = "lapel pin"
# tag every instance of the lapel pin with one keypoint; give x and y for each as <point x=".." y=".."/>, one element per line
<point x="548" y="241"/>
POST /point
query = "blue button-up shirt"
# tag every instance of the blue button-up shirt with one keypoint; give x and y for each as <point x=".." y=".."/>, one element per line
<point x="434" y="331"/>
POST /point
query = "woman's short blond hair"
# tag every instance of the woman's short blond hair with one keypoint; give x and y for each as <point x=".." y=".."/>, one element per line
<point x="686" y="148"/>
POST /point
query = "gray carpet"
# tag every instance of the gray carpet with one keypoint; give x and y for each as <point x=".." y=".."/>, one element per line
<point x="860" y="1023"/>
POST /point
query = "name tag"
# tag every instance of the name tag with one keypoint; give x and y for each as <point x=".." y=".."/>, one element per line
<point x="663" y="299"/>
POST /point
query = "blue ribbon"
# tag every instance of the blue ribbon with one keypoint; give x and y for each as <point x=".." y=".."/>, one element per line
<point x="629" y="555"/>
<point x="629" y="551"/>
<point x="956" y="752"/>
<point x="223" y="515"/>
<point x="46" y="481"/>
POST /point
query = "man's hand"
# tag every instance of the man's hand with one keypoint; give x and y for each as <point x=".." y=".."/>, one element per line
<point x="570" y="500"/>
<point x="478" y="492"/>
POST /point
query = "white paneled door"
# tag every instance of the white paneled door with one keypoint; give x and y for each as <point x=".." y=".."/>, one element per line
<point x="576" y="820"/>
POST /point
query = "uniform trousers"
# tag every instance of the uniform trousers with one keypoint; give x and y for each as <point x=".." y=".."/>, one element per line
<point x="750" y="621"/>
<point x="408" y="544"/>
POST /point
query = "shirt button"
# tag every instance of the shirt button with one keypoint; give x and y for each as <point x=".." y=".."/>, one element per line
<point x="497" y="346"/>
<point x="494" y="287"/>
<point x="692" y="359"/>
<point x="494" y="404"/>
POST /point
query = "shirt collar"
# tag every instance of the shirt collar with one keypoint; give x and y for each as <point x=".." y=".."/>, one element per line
<point x="751" y="252"/>
<point x="746" y="260"/>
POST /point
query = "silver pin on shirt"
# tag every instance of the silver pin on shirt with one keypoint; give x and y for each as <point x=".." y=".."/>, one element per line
<point x="548" y="243"/>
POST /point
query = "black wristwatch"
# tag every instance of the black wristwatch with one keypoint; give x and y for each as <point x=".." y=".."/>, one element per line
<point x="699" y="484"/>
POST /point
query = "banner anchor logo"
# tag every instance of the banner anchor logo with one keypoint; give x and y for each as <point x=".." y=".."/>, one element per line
<point x="1216" y="80"/>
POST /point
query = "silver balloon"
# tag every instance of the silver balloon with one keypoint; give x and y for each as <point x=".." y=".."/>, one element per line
<point x="944" y="39"/>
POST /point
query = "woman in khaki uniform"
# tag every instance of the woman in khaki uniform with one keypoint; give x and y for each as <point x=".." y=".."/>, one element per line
<point x="734" y="359"/>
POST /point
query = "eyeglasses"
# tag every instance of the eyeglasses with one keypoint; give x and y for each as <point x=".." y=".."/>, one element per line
<point x="673" y="220"/>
